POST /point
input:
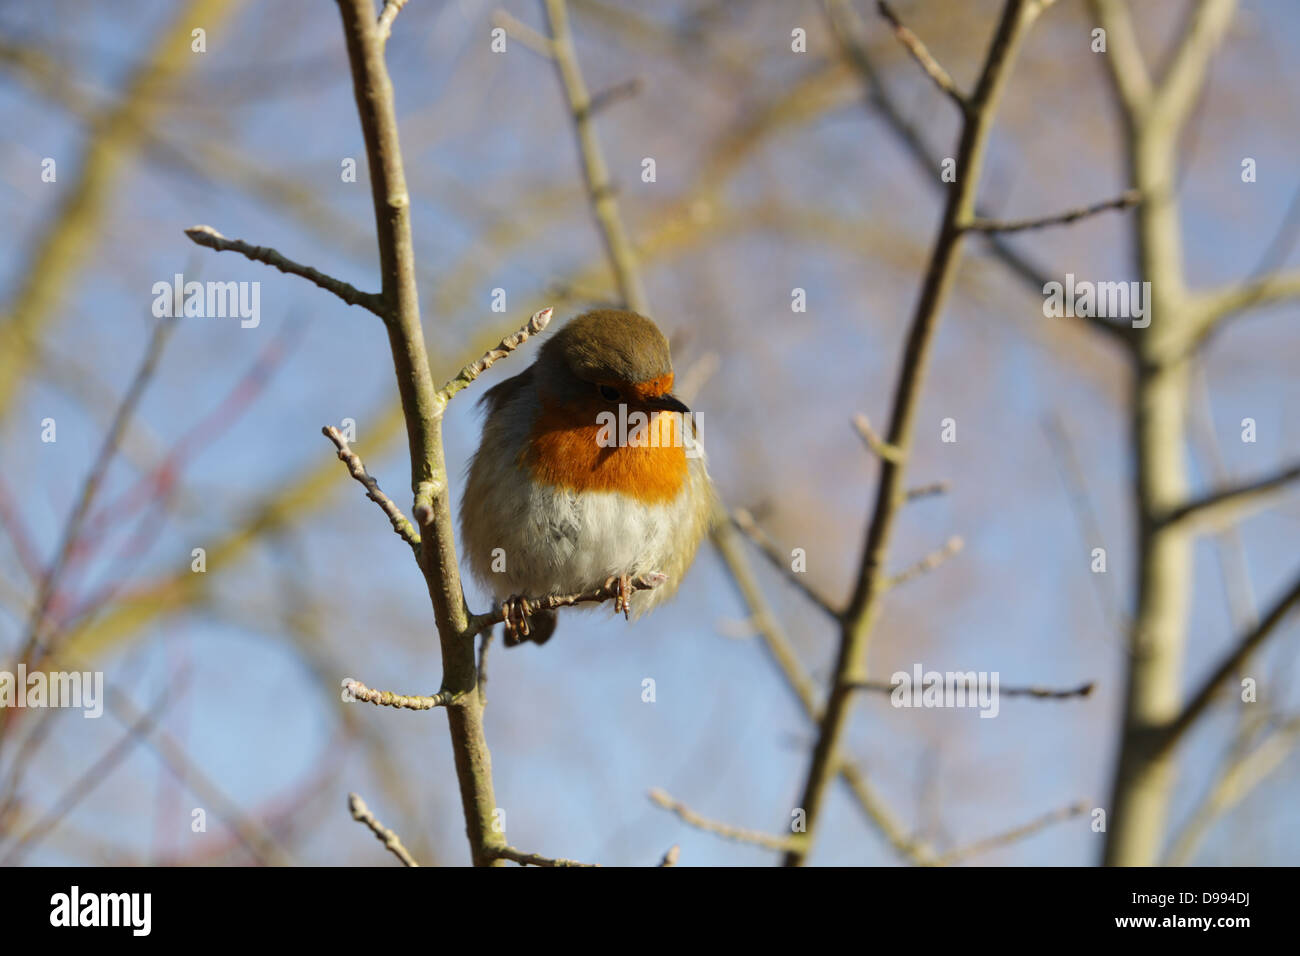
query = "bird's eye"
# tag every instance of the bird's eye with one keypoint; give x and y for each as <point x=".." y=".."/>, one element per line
<point x="609" y="394"/>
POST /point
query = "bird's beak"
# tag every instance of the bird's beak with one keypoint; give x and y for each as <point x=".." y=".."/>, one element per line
<point x="669" y="403"/>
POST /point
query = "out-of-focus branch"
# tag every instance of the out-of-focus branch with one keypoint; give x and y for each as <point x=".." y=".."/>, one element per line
<point x="207" y="236"/>
<point x="933" y="69"/>
<point x="1231" y="504"/>
<point x="1168" y="736"/>
<point x="361" y="813"/>
<point x="622" y="255"/>
<point x="112" y="145"/>
<point x="780" y="560"/>
<point x="951" y="548"/>
<point x="34" y="645"/>
<point x="724" y="830"/>
<point x="1042" y="693"/>
<point x="1125" y="201"/>
<point x="1127" y="67"/>
<point x="881" y="448"/>
<point x="385" y="29"/>
<point x="1211" y="309"/>
<point x="1012" y="836"/>
<point x="872" y="582"/>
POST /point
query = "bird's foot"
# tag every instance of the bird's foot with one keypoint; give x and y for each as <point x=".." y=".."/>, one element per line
<point x="515" y="612"/>
<point x="622" y="585"/>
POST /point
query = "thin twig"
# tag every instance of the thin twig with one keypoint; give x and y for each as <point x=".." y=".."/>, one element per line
<point x="928" y="491"/>
<point x="724" y="830"/>
<point x="1123" y="201"/>
<point x="207" y="236"/>
<point x="1014" y="835"/>
<point x="878" y="445"/>
<point x="474" y="369"/>
<point x="931" y="561"/>
<point x="534" y="859"/>
<point x="1228" y="665"/>
<point x="932" y="67"/>
<point x="780" y="560"/>
<point x="670" y="857"/>
<point x="361" y="813"/>
<point x="549" y="602"/>
<point x="385" y="28"/>
<point x="357" y="469"/>
<point x="517" y="29"/>
<point x="1231" y="503"/>
<point x="385" y="698"/>
<point x="1043" y="693"/>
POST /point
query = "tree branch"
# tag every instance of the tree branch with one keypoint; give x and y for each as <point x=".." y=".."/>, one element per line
<point x="724" y="830"/>
<point x="383" y="698"/>
<point x="207" y="236"/>
<point x="923" y="57"/>
<point x="422" y="412"/>
<point x="361" y="813"/>
<point x="1123" y="201"/>
<point x="780" y="560"/>
<point x="1230" y="503"/>
<point x="860" y="616"/>
<point x="401" y="524"/>
<point x="474" y="369"/>
<point x="1168" y="736"/>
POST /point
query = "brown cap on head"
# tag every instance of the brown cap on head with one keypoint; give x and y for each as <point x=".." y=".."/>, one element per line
<point x="611" y="346"/>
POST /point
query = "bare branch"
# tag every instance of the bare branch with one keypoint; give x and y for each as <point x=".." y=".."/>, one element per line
<point x="923" y="57"/>
<point x="1043" y="693"/>
<point x="931" y="561"/>
<point x="1128" y="68"/>
<point x="622" y="255"/>
<point x="878" y="445"/>
<point x="614" y="94"/>
<point x="1191" y="61"/>
<point x="945" y="257"/>
<point x="1124" y="201"/>
<point x="928" y="491"/>
<point x="1013" y="836"/>
<point x="207" y="236"/>
<point x="1168" y="736"/>
<point x="385" y="28"/>
<point x="1210" y="309"/>
<point x="384" y="698"/>
<point x="780" y="560"/>
<point x="550" y="602"/>
<point x="474" y="369"/>
<point x="533" y="859"/>
<point x="670" y="857"/>
<point x="724" y="830"/>
<point x="361" y="813"/>
<point x="401" y="524"/>
<point x="1232" y="503"/>
<point x="517" y="29"/>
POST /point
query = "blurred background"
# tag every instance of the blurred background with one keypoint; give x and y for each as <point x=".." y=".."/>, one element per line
<point x="775" y="170"/>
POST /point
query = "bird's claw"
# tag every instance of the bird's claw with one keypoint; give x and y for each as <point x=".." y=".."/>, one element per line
<point x="515" y="612"/>
<point x="622" y="585"/>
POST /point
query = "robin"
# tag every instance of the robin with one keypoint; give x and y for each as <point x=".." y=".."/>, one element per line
<point x="589" y="474"/>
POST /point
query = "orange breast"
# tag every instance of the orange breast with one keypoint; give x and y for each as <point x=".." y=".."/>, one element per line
<point x="569" y="450"/>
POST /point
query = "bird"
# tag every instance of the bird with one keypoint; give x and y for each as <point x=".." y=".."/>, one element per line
<point x="589" y="473"/>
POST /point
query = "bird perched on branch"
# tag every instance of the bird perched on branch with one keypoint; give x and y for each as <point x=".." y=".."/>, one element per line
<point x="589" y="474"/>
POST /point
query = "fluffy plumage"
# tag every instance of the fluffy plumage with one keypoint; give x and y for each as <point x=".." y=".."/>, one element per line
<point x="567" y="513"/>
